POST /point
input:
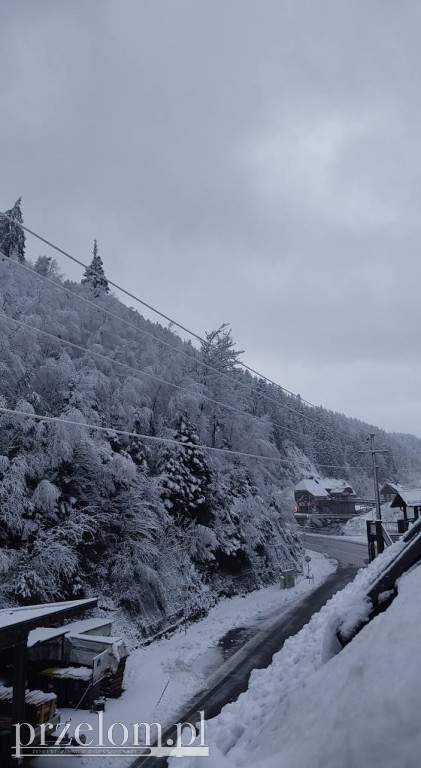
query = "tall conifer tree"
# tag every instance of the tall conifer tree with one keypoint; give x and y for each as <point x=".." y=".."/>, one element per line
<point x="12" y="237"/>
<point x="186" y="477"/>
<point x="94" y="275"/>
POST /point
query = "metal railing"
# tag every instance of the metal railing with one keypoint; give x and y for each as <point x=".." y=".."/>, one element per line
<point x="383" y="589"/>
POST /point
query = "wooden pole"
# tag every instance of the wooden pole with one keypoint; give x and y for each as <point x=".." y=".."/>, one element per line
<point x="20" y="653"/>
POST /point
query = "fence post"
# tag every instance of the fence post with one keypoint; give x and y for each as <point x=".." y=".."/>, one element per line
<point x="379" y="537"/>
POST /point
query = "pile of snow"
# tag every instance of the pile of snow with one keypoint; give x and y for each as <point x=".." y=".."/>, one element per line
<point x="357" y="525"/>
<point x="316" y="708"/>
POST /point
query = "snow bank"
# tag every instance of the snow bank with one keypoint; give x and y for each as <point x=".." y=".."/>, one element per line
<point x="315" y="709"/>
<point x="357" y="526"/>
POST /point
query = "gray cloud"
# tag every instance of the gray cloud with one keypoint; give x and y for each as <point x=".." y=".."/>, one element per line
<point x="255" y="162"/>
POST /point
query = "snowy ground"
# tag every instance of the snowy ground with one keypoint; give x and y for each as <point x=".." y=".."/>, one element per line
<point x="178" y="667"/>
<point x="357" y="525"/>
<point x="315" y="709"/>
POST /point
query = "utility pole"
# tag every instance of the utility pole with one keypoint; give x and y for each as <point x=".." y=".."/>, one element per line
<point x="373" y="452"/>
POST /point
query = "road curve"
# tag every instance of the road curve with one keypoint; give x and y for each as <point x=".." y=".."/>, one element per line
<point x="232" y="678"/>
<point x="346" y="552"/>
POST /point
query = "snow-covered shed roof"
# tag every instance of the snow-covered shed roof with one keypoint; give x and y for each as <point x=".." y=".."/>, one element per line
<point x="396" y="487"/>
<point x="43" y="634"/>
<point x="31" y="697"/>
<point x="14" y="621"/>
<point x="409" y="496"/>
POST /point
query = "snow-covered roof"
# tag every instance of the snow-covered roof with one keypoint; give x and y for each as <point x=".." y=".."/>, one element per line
<point x="335" y="485"/>
<point x="42" y="634"/>
<point x="410" y="496"/>
<point x="313" y="486"/>
<point x="35" y="614"/>
<point x="31" y="697"/>
<point x="323" y="487"/>
<point x="76" y="673"/>
<point x="394" y="486"/>
<point x="103" y="639"/>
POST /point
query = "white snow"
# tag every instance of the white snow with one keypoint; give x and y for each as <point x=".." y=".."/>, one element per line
<point x="324" y="487"/>
<point x="182" y="663"/>
<point x="31" y="697"/>
<point x="82" y="673"/>
<point x="357" y="526"/>
<point x="313" y="486"/>
<point x="317" y="708"/>
<point x="43" y="634"/>
<point x="11" y="617"/>
<point x="411" y="496"/>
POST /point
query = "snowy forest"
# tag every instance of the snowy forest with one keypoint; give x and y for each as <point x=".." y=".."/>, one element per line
<point x="158" y="531"/>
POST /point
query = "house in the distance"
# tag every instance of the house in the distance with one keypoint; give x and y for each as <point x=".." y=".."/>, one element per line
<point x="327" y="496"/>
<point x="388" y="491"/>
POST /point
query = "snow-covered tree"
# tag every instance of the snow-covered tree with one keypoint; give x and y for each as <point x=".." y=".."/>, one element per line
<point x="219" y="354"/>
<point x="14" y="502"/>
<point x="12" y="237"/>
<point x="137" y="447"/>
<point x="186" y="477"/>
<point x="48" y="267"/>
<point x="94" y="275"/>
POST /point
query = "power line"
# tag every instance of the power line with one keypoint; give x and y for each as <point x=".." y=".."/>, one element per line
<point x="129" y="367"/>
<point x="99" y="308"/>
<point x="93" y="271"/>
<point x="195" y="359"/>
<point x="117" y="362"/>
<point x="166" y="440"/>
<point x="125" y="365"/>
<point x="154" y="376"/>
<point x="153" y="438"/>
<point x="192" y="333"/>
<point x="165" y="317"/>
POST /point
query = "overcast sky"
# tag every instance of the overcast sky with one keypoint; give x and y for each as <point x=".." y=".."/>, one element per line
<point x="250" y="161"/>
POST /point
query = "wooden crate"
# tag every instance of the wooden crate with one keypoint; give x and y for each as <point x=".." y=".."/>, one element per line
<point x="40" y="707"/>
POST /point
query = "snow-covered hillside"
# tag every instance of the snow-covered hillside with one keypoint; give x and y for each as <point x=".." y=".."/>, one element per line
<point x="158" y="531"/>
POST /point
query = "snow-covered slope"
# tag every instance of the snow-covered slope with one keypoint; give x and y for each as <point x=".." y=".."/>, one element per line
<point x="158" y="532"/>
<point x="314" y="709"/>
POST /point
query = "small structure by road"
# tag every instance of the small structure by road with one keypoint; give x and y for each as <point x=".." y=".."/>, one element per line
<point x="388" y="491"/>
<point x="405" y="499"/>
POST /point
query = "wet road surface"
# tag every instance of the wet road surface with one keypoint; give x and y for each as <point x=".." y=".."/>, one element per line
<point x="346" y="552"/>
<point x="256" y="653"/>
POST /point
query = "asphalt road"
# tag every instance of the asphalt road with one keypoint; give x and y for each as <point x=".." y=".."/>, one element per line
<point x="346" y="552"/>
<point x="233" y="676"/>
